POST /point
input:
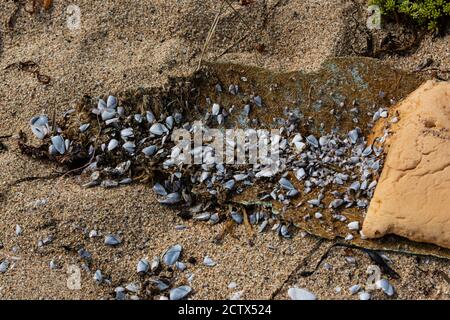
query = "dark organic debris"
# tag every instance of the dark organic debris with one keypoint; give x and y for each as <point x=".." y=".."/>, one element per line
<point x="374" y="256"/>
<point x="30" y="67"/>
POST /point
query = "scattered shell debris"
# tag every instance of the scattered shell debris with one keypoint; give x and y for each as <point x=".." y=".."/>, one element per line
<point x="322" y="182"/>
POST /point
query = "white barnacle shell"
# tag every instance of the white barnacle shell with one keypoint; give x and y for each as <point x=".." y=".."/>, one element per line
<point x="142" y="266"/>
<point x="179" y="292"/>
<point x="323" y="141"/>
<point x="286" y="184"/>
<point x="336" y="203"/>
<point x="266" y="173"/>
<point x="169" y="122"/>
<point x="367" y="151"/>
<point x="108" y="114"/>
<point x="40" y="132"/>
<point x="300" y="294"/>
<point x="171" y="255"/>
<point x="150" y="117"/>
<point x="171" y="198"/>
<point x="59" y="144"/>
<point x="354" y="225"/>
<point x="300" y="174"/>
<point x="101" y="105"/>
<point x="98" y="277"/>
<point x="4" y="266"/>
<point x="112" y="240"/>
<point x="158" y="129"/>
<point x="127" y="133"/>
<point x="220" y="119"/>
<point x="355" y="186"/>
<point x="312" y="140"/>
<point x="84" y="127"/>
<point x="207" y="261"/>
<point x="215" y="109"/>
<point x="353" y="135"/>
<point x="385" y="286"/>
<point x="129" y="146"/>
<point x="39" y="126"/>
<point x="112" y="144"/>
<point x="159" y="189"/>
<point x="229" y="184"/>
<point x="39" y="121"/>
<point x="111" y="102"/>
<point x="150" y="150"/>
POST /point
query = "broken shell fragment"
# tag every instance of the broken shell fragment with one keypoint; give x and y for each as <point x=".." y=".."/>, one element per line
<point x="169" y="122"/>
<point x="150" y="150"/>
<point x="171" y="255"/>
<point x="286" y="184"/>
<point x="129" y="146"/>
<point x="312" y="141"/>
<point x="59" y="144"/>
<point x="84" y="127"/>
<point x="150" y="117"/>
<point x="127" y="133"/>
<point x="179" y="293"/>
<point x="215" y="109"/>
<point x="4" y="266"/>
<point x="207" y="261"/>
<point x="158" y="129"/>
<point x="171" y="198"/>
<point x="111" y="102"/>
<point x="300" y="294"/>
<point x="112" y="240"/>
<point x="98" y="277"/>
<point x="40" y="132"/>
<point x="258" y="101"/>
<point x="108" y="114"/>
<point x="112" y="144"/>
<point x="154" y="265"/>
<point x="159" y="189"/>
<point x="384" y="285"/>
<point x="143" y="266"/>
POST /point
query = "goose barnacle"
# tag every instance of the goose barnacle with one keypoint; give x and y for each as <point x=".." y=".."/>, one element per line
<point x="158" y="129"/>
<point x="129" y="146"/>
<point x="171" y="255"/>
<point x="111" y="102"/>
<point x="58" y="144"/>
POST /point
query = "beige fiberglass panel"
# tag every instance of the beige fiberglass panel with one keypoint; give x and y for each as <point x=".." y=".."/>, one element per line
<point x="412" y="198"/>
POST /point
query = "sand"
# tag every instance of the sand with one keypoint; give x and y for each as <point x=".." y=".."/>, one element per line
<point x="139" y="44"/>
